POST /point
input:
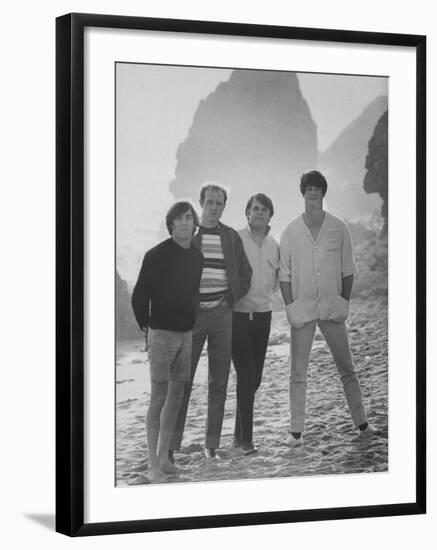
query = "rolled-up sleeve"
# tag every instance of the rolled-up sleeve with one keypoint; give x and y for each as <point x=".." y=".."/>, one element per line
<point x="348" y="265"/>
<point x="285" y="258"/>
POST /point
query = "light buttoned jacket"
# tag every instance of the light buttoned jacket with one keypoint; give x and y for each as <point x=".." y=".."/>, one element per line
<point x="316" y="267"/>
<point x="264" y="261"/>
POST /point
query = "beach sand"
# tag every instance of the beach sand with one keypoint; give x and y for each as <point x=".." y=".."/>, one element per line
<point x="331" y="444"/>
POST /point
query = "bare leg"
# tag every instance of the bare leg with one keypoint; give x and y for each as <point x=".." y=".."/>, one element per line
<point x="157" y="399"/>
<point x="168" y="420"/>
<point x="198" y="341"/>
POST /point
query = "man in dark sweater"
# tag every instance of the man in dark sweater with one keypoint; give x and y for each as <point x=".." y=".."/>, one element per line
<point x="164" y="301"/>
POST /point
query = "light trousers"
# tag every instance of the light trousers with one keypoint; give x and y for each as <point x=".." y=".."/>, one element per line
<point x="215" y="327"/>
<point x="337" y="339"/>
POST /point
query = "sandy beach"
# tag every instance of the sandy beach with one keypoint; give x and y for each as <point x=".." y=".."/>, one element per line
<point x="331" y="442"/>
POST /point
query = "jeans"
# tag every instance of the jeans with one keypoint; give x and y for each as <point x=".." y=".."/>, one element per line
<point x="249" y="345"/>
<point x="337" y="339"/>
<point x="215" y="326"/>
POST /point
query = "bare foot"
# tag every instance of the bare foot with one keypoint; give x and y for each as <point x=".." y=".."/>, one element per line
<point x="169" y="468"/>
<point x="154" y="475"/>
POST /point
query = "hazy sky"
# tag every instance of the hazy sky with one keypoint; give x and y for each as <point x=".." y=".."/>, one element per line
<point x="336" y="100"/>
<point x="155" y="109"/>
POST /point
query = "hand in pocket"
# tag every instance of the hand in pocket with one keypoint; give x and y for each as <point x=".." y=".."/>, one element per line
<point x="340" y="310"/>
<point x="295" y="315"/>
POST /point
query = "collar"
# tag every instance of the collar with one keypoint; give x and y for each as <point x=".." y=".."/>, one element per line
<point x="249" y="230"/>
<point x="219" y="228"/>
<point x="321" y="231"/>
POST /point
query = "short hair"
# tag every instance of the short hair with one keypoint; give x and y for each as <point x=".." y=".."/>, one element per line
<point x="177" y="210"/>
<point x="261" y="198"/>
<point x="212" y="187"/>
<point x="313" y="178"/>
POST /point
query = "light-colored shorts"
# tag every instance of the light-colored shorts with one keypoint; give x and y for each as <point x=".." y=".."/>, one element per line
<point x="170" y="355"/>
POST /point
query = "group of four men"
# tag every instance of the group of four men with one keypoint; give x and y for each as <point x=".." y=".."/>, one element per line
<point x="210" y="282"/>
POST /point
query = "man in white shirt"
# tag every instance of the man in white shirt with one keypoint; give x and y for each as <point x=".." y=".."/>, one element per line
<point x="252" y="315"/>
<point x="316" y="277"/>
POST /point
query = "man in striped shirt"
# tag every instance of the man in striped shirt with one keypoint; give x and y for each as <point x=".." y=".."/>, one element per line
<point x="225" y="279"/>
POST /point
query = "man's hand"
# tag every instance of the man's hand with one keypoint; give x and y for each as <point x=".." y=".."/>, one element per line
<point x="346" y="287"/>
<point x="339" y="310"/>
<point x="294" y="315"/>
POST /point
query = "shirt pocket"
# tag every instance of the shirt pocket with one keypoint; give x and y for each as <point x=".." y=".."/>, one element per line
<point x="334" y="240"/>
<point x="273" y="263"/>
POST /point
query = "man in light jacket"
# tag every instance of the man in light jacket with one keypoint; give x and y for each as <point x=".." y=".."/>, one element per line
<point x="252" y="315"/>
<point x="316" y="276"/>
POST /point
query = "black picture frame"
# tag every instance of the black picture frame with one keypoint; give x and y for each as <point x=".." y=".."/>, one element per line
<point x="70" y="289"/>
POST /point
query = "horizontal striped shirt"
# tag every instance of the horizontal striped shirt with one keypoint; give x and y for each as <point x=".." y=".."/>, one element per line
<point x="214" y="281"/>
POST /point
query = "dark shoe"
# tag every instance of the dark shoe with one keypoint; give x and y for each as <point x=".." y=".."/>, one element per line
<point x="369" y="431"/>
<point x="249" y="449"/>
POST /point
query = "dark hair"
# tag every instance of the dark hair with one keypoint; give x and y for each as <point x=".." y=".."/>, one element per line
<point x="177" y="210"/>
<point x="211" y="187"/>
<point x="313" y="178"/>
<point x="263" y="199"/>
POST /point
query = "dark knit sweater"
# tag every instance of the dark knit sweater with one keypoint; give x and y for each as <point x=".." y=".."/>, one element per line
<point x="167" y="289"/>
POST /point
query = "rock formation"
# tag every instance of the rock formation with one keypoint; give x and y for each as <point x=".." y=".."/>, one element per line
<point x="126" y="327"/>
<point x="343" y="164"/>
<point x="254" y="133"/>
<point x="376" y="178"/>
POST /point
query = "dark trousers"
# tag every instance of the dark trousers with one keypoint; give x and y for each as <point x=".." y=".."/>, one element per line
<point x="249" y="345"/>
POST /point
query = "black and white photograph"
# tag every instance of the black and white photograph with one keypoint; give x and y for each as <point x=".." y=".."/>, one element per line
<point x="218" y="275"/>
<point x="251" y="284"/>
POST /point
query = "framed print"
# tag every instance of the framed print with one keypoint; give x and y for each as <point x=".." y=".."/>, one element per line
<point x="240" y="274"/>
